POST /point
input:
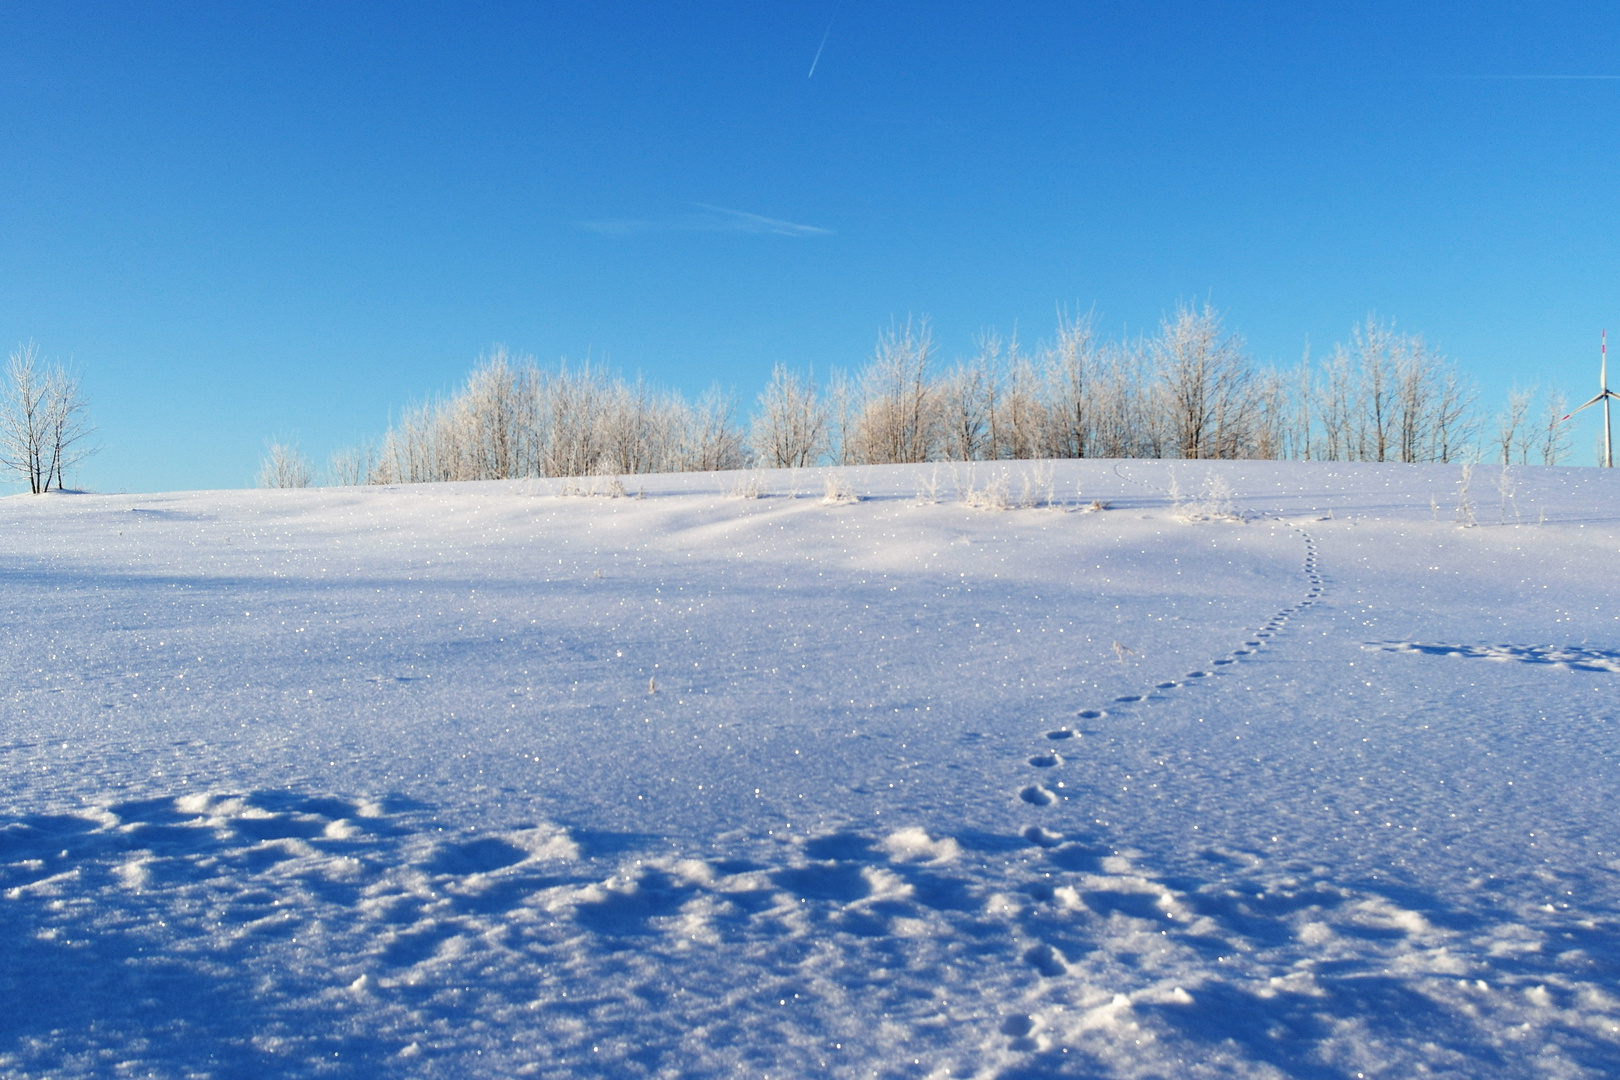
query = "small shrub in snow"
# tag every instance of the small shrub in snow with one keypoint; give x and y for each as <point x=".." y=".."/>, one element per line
<point x="1213" y="504"/>
<point x="993" y="496"/>
<point x="602" y="486"/>
<point x="748" y="485"/>
<point x="1032" y="489"/>
<point x="838" y="490"/>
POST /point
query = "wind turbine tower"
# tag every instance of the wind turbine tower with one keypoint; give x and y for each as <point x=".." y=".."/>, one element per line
<point x="1605" y="395"/>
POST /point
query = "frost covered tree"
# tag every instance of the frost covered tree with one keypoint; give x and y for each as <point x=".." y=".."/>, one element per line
<point x="1018" y="417"/>
<point x="967" y="404"/>
<point x="895" y="418"/>
<point x="1072" y="390"/>
<point x="711" y="440"/>
<point x="44" y="423"/>
<point x="1512" y="437"/>
<point x="352" y="466"/>
<point x="790" y="429"/>
<point x="1206" y="385"/>
<point x="1188" y="391"/>
<point x="284" y="466"/>
<point x="1388" y="397"/>
<point x="1554" y="436"/>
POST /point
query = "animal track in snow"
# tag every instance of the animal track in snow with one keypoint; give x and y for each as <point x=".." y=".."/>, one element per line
<point x="1037" y="795"/>
<point x="1041" y="837"/>
<point x="1570" y="657"/>
<point x="1047" y="960"/>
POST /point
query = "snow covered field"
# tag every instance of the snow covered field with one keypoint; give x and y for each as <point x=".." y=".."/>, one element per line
<point x="485" y="780"/>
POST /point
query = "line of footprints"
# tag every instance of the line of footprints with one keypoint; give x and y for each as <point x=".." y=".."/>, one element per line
<point x="1051" y="757"/>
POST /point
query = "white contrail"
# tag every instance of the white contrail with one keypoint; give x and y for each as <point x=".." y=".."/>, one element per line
<point x="823" y="45"/>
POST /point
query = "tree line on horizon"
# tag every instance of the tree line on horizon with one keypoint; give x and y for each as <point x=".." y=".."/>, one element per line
<point x="1189" y="391"/>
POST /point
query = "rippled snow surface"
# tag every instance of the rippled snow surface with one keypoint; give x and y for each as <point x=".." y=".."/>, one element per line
<point x="487" y="780"/>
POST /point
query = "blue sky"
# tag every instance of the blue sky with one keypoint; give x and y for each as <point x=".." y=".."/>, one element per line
<point x="250" y="220"/>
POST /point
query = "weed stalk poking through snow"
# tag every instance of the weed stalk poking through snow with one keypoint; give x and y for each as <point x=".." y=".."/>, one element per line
<point x="928" y="493"/>
<point x="1464" y="514"/>
<point x="1507" y="485"/>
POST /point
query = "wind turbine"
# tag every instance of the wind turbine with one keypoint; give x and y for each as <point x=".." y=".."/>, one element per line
<point x="1605" y="395"/>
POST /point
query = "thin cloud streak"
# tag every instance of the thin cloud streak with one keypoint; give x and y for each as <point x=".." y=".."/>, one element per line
<point x="823" y="44"/>
<point x="820" y="47"/>
<point x="711" y="219"/>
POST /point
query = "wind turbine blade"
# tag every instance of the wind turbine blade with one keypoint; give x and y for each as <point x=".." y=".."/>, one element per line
<point x="1589" y="404"/>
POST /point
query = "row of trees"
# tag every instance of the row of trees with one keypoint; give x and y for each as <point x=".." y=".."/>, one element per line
<point x="45" y="430"/>
<point x="1190" y="390"/>
<point x="514" y="419"/>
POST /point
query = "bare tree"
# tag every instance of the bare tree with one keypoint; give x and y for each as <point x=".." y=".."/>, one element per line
<point x="1511" y="437"/>
<point x="1377" y="349"/>
<point x="1416" y="387"/>
<point x="68" y="425"/>
<point x="495" y="418"/>
<point x="1455" y="424"/>
<point x="1390" y="398"/>
<point x="968" y="398"/>
<point x="1338" y="409"/>
<point x="44" y="426"/>
<point x="896" y="422"/>
<point x="23" y="419"/>
<point x="1206" y="385"/>
<point x="790" y="429"/>
<point x="1123" y="425"/>
<point x="1018" y="417"/>
<point x="575" y="401"/>
<point x="1070" y="371"/>
<point x="843" y="414"/>
<point x="1554" y="436"/>
<point x="711" y="441"/>
<point x="284" y="466"/>
<point x="1283" y="423"/>
<point x="1287" y="412"/>
<point x="353" y="466"/>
